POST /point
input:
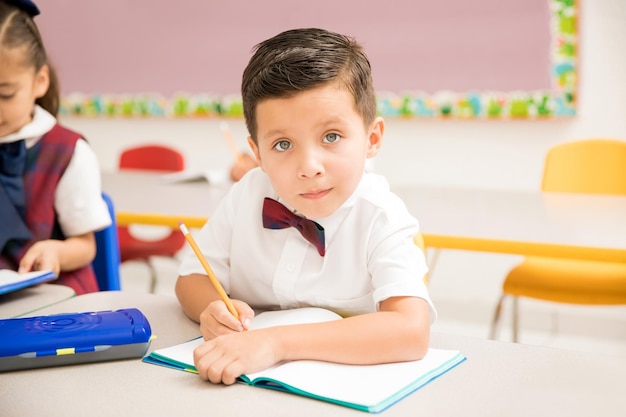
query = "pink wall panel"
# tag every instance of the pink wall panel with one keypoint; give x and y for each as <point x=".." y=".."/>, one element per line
<point x="135" y="46"/>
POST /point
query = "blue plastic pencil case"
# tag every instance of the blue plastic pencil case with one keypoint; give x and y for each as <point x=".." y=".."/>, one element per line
<point x="65" y="339"/>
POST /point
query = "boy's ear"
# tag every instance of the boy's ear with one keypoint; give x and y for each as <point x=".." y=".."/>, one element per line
<point x="375" y="139"/>
<point x="255" y="151"/>
<point x="42" y="81"/>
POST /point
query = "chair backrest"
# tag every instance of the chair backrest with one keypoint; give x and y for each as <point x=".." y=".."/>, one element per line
<point x="592" y="166"/>
<point x="152" y="157"/>
<point x="106" y="264"/>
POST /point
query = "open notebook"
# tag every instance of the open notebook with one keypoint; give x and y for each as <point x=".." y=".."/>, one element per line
<point x="12" y="281"/>
<point x="371" y="388"/>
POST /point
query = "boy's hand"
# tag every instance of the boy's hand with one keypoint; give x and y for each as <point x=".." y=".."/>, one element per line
<point x="216" y="320"/>
<point x="224" y="358"/>
<point x="43" y="255"/>
<point x="242" y="165"/>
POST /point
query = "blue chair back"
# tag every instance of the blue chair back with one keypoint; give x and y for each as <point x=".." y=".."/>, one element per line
<point x="106" y="264"/>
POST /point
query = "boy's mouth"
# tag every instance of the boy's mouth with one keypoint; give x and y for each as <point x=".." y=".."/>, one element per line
<point x="314" y="195"/>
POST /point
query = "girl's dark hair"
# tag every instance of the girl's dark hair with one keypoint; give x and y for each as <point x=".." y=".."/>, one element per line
<point x="18" y="30"/>
<point x="303" y="59"/>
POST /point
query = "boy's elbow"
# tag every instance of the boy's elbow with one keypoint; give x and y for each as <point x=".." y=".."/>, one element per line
<point x="184" y="294"/>
<point x="180" y="290"/>
<point x="419" y="342"/>
<point x="414" y="329"/>
<point x="421" y="349"/>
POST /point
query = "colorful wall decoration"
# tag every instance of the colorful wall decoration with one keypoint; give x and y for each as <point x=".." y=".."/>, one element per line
<point x="555" y="102"/>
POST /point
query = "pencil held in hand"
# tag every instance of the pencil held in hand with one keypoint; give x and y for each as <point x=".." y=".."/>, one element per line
<point x="208" y="270"/>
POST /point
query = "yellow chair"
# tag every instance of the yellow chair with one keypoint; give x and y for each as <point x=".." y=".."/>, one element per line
<point x="594" y="166"/>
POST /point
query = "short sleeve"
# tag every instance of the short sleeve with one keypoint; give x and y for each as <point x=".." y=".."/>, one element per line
<point x="78" y="198"/>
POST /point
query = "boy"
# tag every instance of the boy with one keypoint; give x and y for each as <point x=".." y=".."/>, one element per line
<point x="310" y="109"/>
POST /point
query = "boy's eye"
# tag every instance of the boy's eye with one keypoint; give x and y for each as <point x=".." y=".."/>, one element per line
<point x="332" y="138"/>
<point x="282" y="145"/>
<point x="6" y="96"/>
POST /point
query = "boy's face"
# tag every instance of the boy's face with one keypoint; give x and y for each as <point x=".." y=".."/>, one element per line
<point x="20" y="86"/>
<point x="313" y="147"/>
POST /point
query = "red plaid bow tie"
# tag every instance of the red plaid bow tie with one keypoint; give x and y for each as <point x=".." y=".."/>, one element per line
<point x="277" y="216"/>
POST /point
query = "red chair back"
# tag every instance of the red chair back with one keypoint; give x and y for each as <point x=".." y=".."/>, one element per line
<point x="152" y="157"/>
<point x="157" y="158"/>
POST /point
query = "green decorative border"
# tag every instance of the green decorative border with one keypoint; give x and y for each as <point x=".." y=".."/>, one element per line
<point x="558" y="102"/>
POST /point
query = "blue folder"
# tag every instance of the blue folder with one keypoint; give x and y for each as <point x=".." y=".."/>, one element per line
<point x="12" y="281"/>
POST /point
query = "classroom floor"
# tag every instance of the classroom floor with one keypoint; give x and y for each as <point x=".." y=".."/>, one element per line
<point x="468" y="310"/>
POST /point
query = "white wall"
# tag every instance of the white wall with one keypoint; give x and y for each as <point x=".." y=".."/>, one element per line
<point x="473" y="154"/>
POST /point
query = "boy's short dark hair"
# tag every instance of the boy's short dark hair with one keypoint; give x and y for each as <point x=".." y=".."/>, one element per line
<point x="303" y="59"/>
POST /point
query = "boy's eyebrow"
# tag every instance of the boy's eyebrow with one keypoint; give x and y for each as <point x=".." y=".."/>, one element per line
<point x="322" y="124"/>
<point x="332" y="121"/>
<point x="272" y="133"/>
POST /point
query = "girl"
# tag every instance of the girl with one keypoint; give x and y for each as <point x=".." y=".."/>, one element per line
<point x="50" y="197"/>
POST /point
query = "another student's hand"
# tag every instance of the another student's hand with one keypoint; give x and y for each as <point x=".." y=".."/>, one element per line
<point x="43" y="255"/>
<point x="224" y="358"/>
<point x="216" y="320"/>
<point x="242" y="165"/>
<point x="60" y="255"/>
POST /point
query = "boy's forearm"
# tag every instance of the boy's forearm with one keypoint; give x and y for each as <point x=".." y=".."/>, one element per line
<point x="195" y="292"/>
<point x="386" y="336"/>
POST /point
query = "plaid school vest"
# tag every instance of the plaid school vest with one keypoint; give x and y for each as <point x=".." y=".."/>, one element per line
<point x="46" y="162"/>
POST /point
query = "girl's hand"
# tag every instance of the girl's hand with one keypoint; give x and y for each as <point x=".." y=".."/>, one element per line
<point x="59" y="255"/>
<point x="216" y="320"/>
<point x="41" y="256"/>
<point x="224" y="358"/>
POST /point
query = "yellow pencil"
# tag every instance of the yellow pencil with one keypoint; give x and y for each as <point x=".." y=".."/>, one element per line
<point x="229" y="139"/>
<point x="208" y="270"/>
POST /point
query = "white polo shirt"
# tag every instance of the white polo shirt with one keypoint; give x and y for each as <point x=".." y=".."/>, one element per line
<point x="370" y="254"/>
<point x="77" y="199"/>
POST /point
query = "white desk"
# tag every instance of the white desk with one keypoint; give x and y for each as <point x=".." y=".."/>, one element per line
<point x="498" y="379"/>
<point x="144" y="197"/>
<point x="525" y="223"/>
<point x="27" y="300"/>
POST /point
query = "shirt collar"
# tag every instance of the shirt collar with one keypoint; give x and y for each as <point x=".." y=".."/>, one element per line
<point x="40" y="125"/>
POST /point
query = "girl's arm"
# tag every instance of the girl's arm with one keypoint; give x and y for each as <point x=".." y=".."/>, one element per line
<point x="60" y="255"/>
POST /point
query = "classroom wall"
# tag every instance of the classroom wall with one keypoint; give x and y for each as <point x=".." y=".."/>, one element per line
<point x="208" y="43"/>
<point x="471" y="154"/>
<point x="491" y="154"/>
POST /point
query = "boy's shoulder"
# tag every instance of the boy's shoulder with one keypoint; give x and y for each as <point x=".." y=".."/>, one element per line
<point x="255" y="179"/>
<point x="252" y="187"/>
<point x="375" y="189"/>
<point x="375" y="193"/>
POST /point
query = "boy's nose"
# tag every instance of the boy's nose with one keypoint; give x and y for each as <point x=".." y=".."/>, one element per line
<point x="310" y="164"/>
